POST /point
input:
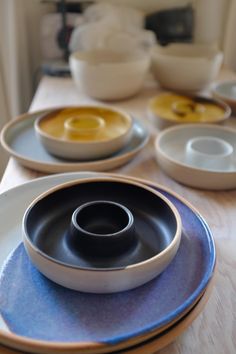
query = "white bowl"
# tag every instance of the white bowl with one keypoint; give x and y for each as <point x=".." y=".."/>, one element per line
<point x="213" y="171"/>
<point x="108" y="131"/>
<point x="186" y="66"/>
<point x="108" y="75"/>
<point x="158" y="236"/>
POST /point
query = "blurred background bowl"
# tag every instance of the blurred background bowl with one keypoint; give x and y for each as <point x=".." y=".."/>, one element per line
<point x="226" y="91"/>
<point x="109" y="75"/>
<point x="169" y="108"/>
<point x="186" y="66"/>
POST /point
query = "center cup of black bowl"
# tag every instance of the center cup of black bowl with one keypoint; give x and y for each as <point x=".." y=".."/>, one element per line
<point x="102" y="228"/>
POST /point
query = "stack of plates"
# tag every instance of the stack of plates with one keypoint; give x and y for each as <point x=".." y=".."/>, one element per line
<point x="38" y="315"/>
<point x="20" y="139"/>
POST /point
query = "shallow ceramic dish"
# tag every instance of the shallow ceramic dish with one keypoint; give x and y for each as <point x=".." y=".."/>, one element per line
<point x="85" y="132"/>
<point x="154" y="302"/>
<point x="185" y="66"/>
<point x="226" y="91"/>
<point x="19" y="140"/>
<point x="109" y="75"/>
<point x="167" y="109"/>
<point x="173" y="157"/>
<point x="83" y="262"/>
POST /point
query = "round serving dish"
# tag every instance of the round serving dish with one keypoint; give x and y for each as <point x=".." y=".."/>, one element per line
<point x="172" y="153"/>
<point x="153" y="303"/>
<point x="109" y="75"/>
<point x="19" y="140"/>
<point x="167" y="109"/>
<point x="85" y="132"/>
<point x="157" y="226"/>
<point x="226" y="91"/>
<point x="186" y="66"/>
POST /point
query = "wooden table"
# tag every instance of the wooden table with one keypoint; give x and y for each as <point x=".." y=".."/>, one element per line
<point x="214" y="331"/>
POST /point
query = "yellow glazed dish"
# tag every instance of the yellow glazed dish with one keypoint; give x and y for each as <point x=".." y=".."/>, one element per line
<point x="169" y="108"/>
<point x="85" y="132"/>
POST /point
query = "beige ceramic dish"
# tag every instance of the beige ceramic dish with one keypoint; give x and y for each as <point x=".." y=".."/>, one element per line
<point x="85" y="132"/>
<point x="167" y="109"/>
<point x="109" y="75"/>
<point x="172" y="155"/>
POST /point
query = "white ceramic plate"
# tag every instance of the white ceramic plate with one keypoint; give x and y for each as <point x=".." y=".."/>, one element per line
<point x="18" y="138"/>
<point x="171" y="155"/>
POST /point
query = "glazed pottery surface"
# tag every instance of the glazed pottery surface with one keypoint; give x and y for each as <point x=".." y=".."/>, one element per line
<point x="154" y="302"/>
<point x="18" y="138"/>
<point x="84" y="132"/>
<point x="168" y="108"/>
<point x="63" y="257"/>
<point x="173" y="156"/>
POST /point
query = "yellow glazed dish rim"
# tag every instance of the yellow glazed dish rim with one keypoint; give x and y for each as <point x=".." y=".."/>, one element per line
<point x="198" y="100"/>
<point x="127" y="119"/>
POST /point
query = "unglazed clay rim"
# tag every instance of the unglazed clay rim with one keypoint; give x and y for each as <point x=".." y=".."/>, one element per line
<point x="172" y="244"/>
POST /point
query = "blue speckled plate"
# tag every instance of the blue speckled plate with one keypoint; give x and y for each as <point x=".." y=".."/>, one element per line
<point x="34" y="308"/>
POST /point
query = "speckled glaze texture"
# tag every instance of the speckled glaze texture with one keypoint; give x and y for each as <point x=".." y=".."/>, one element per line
<point x="35" y="307"/>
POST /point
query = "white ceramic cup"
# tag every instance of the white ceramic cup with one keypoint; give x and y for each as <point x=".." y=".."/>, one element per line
<point x="209" y="152"/>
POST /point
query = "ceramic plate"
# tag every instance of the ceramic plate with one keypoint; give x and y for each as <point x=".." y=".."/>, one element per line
<point x="168" y="336"/>
<point x="153" y="306"/>
<point x="19" y="139"/>
<point x="168" y="109"/>
<point x="226" y="91"/>
<point x="172" y="156"/>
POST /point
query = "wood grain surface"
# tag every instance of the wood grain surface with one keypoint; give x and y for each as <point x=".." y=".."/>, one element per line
<point x="214" y="331"/>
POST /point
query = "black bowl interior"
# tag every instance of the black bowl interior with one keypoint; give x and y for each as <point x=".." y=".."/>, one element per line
<point x="47" y="222"/>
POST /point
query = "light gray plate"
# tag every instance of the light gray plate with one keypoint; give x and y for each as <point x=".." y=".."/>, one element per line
<point x="19" y="139"/>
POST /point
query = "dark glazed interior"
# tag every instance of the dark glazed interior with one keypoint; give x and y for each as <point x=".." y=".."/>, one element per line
<point x="101" y="229"/>
<point x="48" y="221"/>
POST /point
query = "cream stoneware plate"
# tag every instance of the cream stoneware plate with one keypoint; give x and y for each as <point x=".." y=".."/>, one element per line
<point x="47" y="325"/>
<point x="201" y="156"/>
<point x="19" y="139"/>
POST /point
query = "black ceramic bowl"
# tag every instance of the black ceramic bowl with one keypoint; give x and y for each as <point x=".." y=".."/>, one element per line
<point x="153" y="239"/>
